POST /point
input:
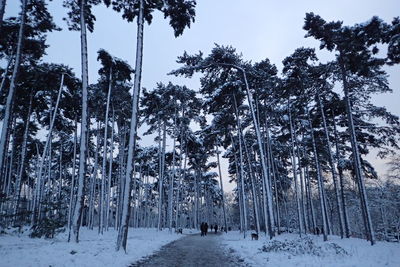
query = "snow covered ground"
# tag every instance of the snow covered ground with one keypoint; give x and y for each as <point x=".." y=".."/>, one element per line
<point x="92" y="250"/>
<point x="289" y="250"/>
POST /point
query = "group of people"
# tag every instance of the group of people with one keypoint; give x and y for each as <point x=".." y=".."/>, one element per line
<point x="204" y="228"/>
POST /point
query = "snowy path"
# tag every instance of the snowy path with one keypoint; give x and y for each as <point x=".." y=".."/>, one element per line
<point x="193" y="250"/>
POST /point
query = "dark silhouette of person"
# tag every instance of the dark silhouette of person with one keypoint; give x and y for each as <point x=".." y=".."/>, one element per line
<point x="202" y="228"/>
<point x="205" y="228"/>
<point x="216" y="228"/>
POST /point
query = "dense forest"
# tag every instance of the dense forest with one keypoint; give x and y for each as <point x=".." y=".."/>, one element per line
<point x="295" y="140"/>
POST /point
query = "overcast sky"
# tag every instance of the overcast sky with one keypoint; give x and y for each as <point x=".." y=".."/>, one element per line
<point x="257" y="28"/>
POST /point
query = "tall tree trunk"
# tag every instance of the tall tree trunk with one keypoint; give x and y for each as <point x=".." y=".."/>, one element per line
<point x="161" y="177"/>
<point x="11" y="91"/>
<point x="110" y="172"/>
<point x="222" y="189"/>
<point x="196" y="199"/>
<point x="71" y="195"/>
<point x="252" y="179"/>
<point x="274" y="173"/>
<point x="303" y="205"/>
<point x="320" y="183"/>
<point x="40" y="182"/>
<point x="120" y="184"/>
<point x="171" y="182"/>
<point x="123" y="231"/>
<point x="310" y="199"/>
<point x="76" y="218"/>
<point x="341" y="180"/>
<point x="22" y="160"/>
<point x="241" y="168"/>
<point x="103" y="170"/>
<point x="293" y="138"/>
<point x="357" y="159"/>
<point x="332" y="165"/>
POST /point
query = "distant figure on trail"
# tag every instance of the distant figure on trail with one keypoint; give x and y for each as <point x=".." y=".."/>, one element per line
<point x="202" y="229"/>
<point x="205" y="228"/>
<point x="216" y="228"/>
<point x="317" y="231"/>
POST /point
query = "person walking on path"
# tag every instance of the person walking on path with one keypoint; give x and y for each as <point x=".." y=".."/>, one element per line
<point x="216" y="228"/>
<point x="205" y="228"/>
<point x="202" y="228"/>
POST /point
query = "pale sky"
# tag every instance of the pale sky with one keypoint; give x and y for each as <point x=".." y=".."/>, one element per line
<point x="257" y="28"/>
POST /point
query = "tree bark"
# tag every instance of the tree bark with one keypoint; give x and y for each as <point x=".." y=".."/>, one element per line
<point x="71" y="195"/>
<point x="76" y="218"/>
<point x="123" y="231"/>
<point x="222" y="190"/>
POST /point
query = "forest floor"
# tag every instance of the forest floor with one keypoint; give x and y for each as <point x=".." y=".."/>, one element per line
<point x="289" y="250"/>
<point x="191" y="251"/>
<point x="149" y="247"/>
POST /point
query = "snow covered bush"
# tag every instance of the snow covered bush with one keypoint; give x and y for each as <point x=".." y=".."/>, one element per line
<point x="303" y="246"/>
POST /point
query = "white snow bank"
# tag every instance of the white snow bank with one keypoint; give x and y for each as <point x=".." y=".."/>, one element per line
<point x="290" y="250"/>
<point x="92" y="250"/>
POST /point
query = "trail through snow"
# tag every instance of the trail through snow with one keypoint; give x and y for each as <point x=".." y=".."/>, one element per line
<point x="191" y="251"/>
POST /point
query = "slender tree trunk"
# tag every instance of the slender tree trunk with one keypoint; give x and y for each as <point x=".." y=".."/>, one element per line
<point x="241" y="169"/>
<point x="293" y="137"/>
<point x="40" y="182"/>
<point x="341" y="180"/>
<point x="303" y="205"/>
<point x="22" y="160"/>
<point x="310" y="199"/>
<point x="120" y="184"/>
<point x="357" y="159"/>
<point x="161" y="178"/>
<point x="196" y="199"/>
<point x="103" y="170"/>
<point x="275" y="174"/>
<point x="255" y="202"/>
<point x="123" y="231"/>
<point x="76" y="218"/>
<point x="171" y="182"/>
<point x="320" y="184"/>
<point x="60" y="175"/>
<point x="222" y="190"/>
<point x="10" y="163"/>
<point x="332" y="165"/>
<point x="110" y="172"/>
<point x="71" y="196"/>
<point x="11" y="91"/>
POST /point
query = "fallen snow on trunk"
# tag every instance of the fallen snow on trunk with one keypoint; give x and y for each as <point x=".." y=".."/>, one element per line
<point x="92" y="250"/>
<point x="291" y="250"/>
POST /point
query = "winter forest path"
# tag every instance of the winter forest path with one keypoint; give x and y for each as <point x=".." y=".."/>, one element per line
<point x="193" y="251"/>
